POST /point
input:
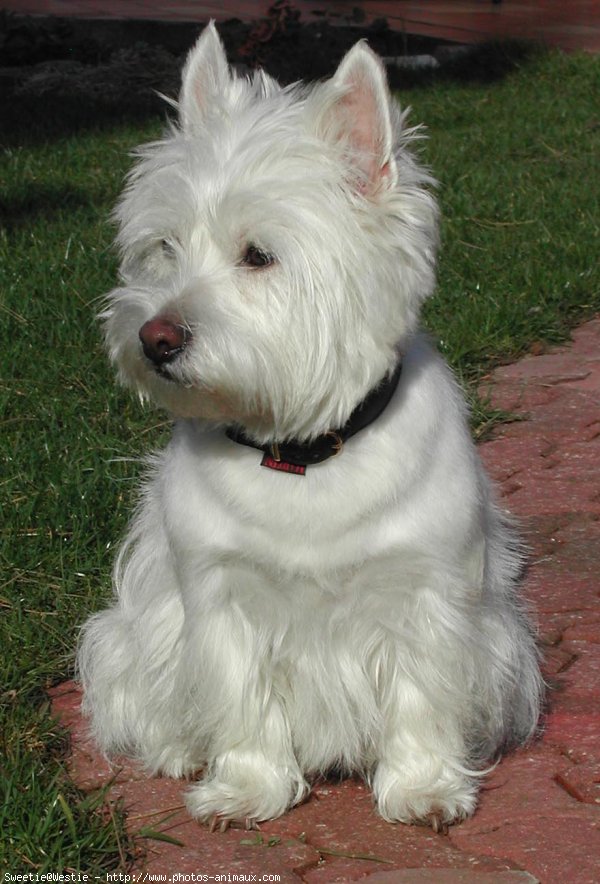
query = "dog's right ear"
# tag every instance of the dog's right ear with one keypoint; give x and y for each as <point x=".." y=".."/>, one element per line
<point x="205" y="75"/>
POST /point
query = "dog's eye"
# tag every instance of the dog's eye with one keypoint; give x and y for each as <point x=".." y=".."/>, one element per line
<point x="168" y="248"/>
<point x="255" y="257"/>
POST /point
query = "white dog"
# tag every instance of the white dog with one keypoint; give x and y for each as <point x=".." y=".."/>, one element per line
<point x="348" y="602"/>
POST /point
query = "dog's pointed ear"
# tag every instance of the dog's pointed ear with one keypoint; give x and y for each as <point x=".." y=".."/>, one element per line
<point x="363" y="116"/>
<point x="205" y="75"/>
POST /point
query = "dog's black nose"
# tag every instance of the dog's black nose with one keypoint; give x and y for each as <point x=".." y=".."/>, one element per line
<point x="163" y="339"/>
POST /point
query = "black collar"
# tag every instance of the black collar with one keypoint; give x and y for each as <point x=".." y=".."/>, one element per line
<point x="293" y="456"/>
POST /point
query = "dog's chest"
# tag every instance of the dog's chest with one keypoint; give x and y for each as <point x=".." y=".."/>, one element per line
<point x="233" y="509"/>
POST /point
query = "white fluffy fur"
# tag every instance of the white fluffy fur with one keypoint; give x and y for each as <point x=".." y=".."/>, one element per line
<point x="269" y="627"/>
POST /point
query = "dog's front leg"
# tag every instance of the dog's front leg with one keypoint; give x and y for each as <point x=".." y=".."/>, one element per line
<point x="251" y="773"/>
<point x="422" y="774"/>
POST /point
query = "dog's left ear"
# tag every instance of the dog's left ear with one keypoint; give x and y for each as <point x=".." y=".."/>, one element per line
<point x="206" y="75"/>
<point x="363" y="117"/>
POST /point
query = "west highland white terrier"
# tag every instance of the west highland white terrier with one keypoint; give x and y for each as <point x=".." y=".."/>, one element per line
<point x="317" y="576"/>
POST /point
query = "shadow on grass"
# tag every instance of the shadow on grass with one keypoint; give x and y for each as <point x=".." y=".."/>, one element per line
<point x="41" y="201"/>
<point x="31" y="119"/>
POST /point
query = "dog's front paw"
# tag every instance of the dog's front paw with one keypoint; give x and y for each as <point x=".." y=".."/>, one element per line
<point x="259" y="794"/>
<point x="437" y="801"/>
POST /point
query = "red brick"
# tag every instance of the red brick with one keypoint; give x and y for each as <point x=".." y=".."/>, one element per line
<point x="340" y="820"/>
<point x="586" y="337"/>
<point x="554" y="848"/>
<point x="574" y="731"/>
<point x="582" y="781"/>
<point x="553" y="589"/>
<point x="585" y="629"/>
<point x="517" y="786"/>
<point x="516" y="396"/>
<point x="450" y="876"/>
<point x="582" y="677"/>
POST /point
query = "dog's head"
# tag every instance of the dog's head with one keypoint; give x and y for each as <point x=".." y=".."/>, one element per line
<point x="276" y="248"/>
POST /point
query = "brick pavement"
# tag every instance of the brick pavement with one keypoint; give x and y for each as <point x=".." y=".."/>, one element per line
<point x="539" y="813"/>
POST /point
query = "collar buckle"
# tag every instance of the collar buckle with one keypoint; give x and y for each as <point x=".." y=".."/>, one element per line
<point x="338" y="442"/>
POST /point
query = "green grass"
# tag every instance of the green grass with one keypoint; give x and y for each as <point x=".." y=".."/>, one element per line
<point x="519" y="165"/>
<point x="518" y="162"/>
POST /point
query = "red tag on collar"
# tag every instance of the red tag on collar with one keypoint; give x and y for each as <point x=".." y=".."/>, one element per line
<point x="282" y="465"/>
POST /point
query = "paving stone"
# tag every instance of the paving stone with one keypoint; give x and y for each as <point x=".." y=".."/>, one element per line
<point x="574" y="730"/>
<point x="534" y="491"/>
<point x="340" y="822"/>
<point x="582" y="781"/>
<point x="450" y="876"/>
<point x="553" y="848"/>
<point x="527" y="816"/>
<point x="420" y="876"/>
<point x="556" y="660"/>
<point x="553" y="588"/>
<point x="337" y="869"/>
<point x="517" y="396"/>
<point x="226" y="854"/>
<point x="585" y="629"/>
<point x="582" y="677"/>
<point x="539" y="534"/>
<point x="565" y="365"/>
<point x="523" y="782"/>
<point x="586" y="337"/>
